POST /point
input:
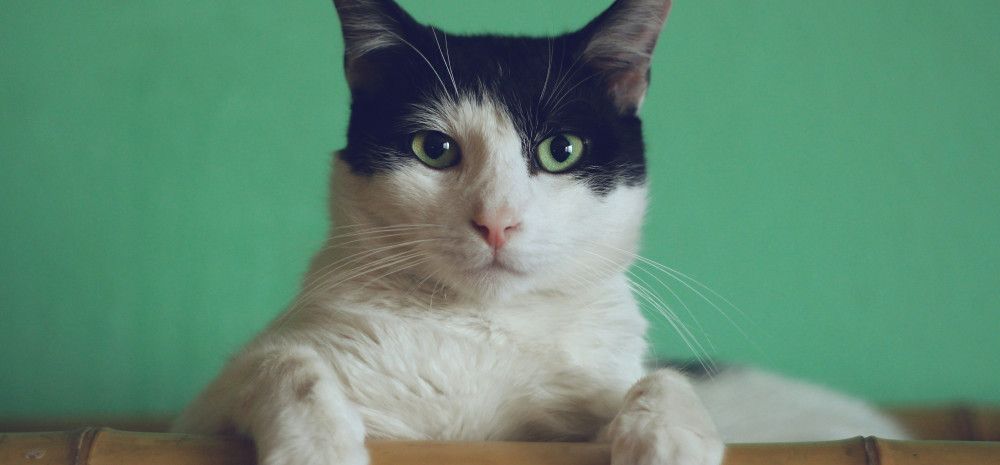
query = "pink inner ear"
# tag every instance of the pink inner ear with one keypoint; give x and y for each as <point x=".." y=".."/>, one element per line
<point x="628" y="88"/>
<point x="622" y="45"/>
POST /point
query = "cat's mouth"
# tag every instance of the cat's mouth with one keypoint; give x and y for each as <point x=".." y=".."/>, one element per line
<point x="497" y="266"/>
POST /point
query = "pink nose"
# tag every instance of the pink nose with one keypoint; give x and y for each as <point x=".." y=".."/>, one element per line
<point x="496" y="226"/>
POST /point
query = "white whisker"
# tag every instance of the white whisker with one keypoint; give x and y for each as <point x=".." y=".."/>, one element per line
<point x="315" y="285"/>
<point x="564" y="77"/>
<point x="366" y="268"/>
<point x="641" y="288"/>
<point x="446" y="61"/>
<point x="545" y="84"/>
<point x="675" y="275"/>
<point x="684" y="305"/>
<point x="560" y="102"/>
<point x="429" y="64"/>
<point x="363" y="225"/>
<point x="689" y="340"/>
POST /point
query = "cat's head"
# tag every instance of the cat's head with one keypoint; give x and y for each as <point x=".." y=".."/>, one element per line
<point x="495" y="165"/>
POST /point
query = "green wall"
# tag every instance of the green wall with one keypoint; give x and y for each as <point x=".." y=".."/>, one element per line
<point x="833" y="168"/>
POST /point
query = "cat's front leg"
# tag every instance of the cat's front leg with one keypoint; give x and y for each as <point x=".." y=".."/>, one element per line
<point x="663" y="422"/>
<point x="290" y="402"/>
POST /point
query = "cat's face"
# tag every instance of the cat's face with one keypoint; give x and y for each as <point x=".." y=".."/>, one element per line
<point x="496" y="165"/>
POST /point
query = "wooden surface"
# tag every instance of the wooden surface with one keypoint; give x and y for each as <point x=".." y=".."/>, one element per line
<point x="103" y="446"/>
<point x="949" y="436"/>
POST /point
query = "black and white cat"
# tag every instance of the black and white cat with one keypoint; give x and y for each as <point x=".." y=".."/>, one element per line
<point x="487" y="205"/>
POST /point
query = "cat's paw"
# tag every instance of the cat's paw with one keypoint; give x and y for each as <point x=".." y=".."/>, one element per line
<point x="643" y="442"/>
<point x="316" y="454"/>
<point x="664" y="423"/>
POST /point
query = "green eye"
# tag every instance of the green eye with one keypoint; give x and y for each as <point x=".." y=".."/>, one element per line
<point x="435" y="149"/>
<point x="560" y="152"/>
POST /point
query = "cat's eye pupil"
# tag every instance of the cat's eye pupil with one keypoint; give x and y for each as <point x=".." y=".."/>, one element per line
<point x="435" y="149"/>
<point x="560" y="152"/>
<point x="562" y="148"/>
<point x="436" y="144"/>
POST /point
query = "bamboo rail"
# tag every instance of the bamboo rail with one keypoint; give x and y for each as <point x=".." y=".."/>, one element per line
<point x="964" y="436"/>
<point x="105" y="446"/>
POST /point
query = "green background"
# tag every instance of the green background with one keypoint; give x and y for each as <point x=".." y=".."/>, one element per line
<point x="833" y="168"/>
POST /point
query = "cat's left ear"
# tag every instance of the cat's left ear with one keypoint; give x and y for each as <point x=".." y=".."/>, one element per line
<point x="370" y="26"/>
<point x="620" y="44"/>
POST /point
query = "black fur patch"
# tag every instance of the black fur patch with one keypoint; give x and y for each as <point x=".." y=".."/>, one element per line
<point x="542" y="82"/>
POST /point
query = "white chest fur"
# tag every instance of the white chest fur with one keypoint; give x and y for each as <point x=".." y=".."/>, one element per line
<point x="547" y="367"/>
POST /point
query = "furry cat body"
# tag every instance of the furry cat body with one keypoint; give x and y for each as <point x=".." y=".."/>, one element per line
<point x="487" y="299"/>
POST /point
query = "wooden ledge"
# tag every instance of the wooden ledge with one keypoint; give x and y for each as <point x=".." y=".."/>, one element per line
<point x="105" y="446"/>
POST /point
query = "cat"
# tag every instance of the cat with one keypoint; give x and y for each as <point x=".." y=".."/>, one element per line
<point x="486" y="208"/>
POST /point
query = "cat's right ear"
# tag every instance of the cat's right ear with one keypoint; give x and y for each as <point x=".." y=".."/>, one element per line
<point x="368" y="27"/>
